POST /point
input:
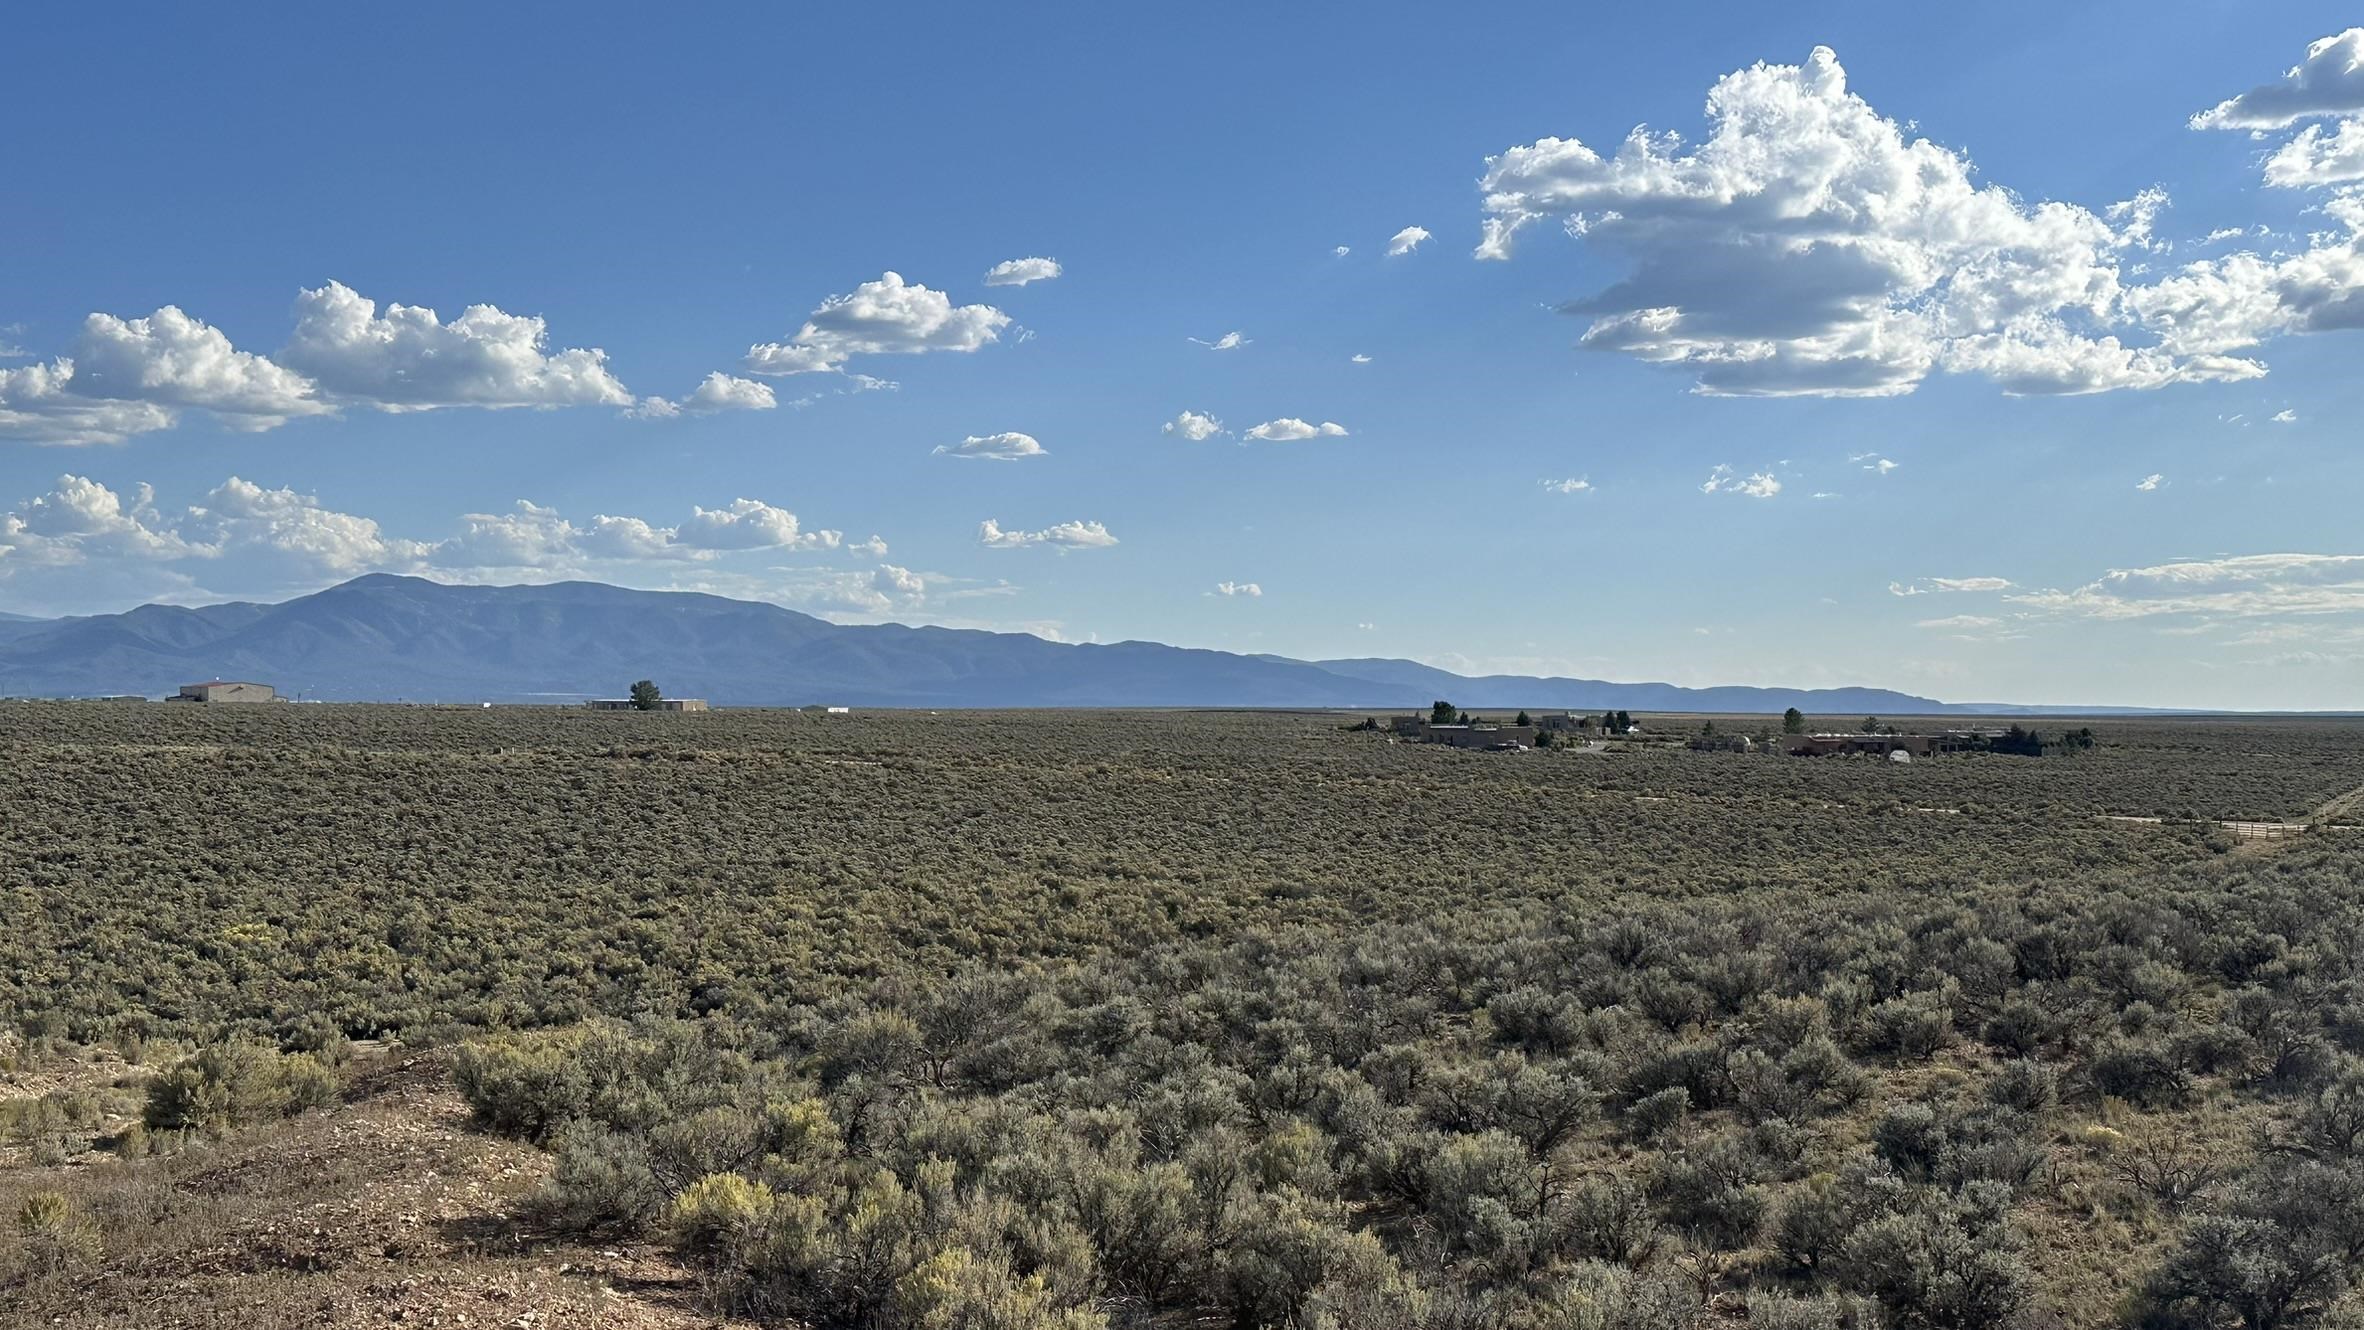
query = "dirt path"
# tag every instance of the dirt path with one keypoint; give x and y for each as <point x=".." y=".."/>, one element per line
<point x="2348" y="807"/>
<point x="385" y="1209"/>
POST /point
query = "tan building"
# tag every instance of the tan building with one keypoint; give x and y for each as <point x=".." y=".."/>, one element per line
<point x="226" y="690"/>
<point x="663" y="704"/>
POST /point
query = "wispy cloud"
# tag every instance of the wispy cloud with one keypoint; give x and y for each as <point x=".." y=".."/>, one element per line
<point x="1723" y="480"/>
<point x="2232" y="587"/>
<point x="1934" y="585"/>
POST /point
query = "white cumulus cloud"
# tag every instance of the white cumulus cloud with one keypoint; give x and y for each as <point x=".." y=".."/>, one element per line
<point x="2330" y="81"/>
<point x="36" y="406"/>
<point x="242" y="538"/>
<point x="172" y="360"/>
<point x="128" y="376"/>
<point x="719" y="392"/>
<point x="1810" y="246"/>
<point x="408" y="359"/>
<point x="726" y="392"/>
<point x="1405" y="241"/>
<point x="750" y="524"/>
<point x="1018" y="272"/>
<point x="1289" y="429"/>
<point x="536" y="538"/>
<point x="306" y="539"/>
<point x="2314" y="157"/>
<point x="1195" y="426"/>
<point x="1064" y="535"/>
<point x="1009" y="446"/>
<point x="885" y="317"/>
<point x="82" y="519"/>
<point x="2150" y="482"/>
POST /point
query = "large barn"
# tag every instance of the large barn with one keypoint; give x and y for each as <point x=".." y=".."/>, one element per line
<point x="226" y="690"/>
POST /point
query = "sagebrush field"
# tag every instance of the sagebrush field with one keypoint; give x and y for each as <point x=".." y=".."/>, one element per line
<point x="1146" y="1019"/>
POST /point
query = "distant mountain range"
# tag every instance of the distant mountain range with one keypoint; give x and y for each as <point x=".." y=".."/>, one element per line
<point x="387" y="638"/>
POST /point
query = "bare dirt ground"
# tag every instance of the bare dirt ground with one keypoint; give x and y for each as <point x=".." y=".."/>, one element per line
<point x="388" y="1209"/>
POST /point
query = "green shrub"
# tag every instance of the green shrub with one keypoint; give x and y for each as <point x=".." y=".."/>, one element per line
<point x="526" y="1086"/>
<point x="1656" y="1116"/>
<point x="956" y="1289"/>
<point x="2138" y="1072"/>
<point x="2025" y="1086"/>
<point x="1912" y="1027"/>
<point x="229" y="1085"/>
<point x="601" y="1180"/>
<point x="1947" y="1263"/>
<point x="719" y="1217"/>
<point x="54" y="1232"/>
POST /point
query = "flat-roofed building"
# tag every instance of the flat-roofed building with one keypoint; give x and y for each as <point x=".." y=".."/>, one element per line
<point x="226" y="690"/>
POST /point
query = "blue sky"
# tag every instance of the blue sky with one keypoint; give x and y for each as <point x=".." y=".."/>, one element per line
<point x="1975" y="246"/>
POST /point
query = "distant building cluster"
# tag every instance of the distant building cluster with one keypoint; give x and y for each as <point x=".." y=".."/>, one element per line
<point x="1464" y="734"/>
<point x="1888" y="745"/>
<point x="1723" y="743"/>
<point x="661" y="704"/>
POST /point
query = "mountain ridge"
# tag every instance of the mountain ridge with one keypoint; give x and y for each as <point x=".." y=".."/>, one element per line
<point x="385" y="637"/>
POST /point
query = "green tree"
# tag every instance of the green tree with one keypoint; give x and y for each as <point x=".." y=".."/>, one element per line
<point x="1442" y="713"/>
<point x="1871" y="724"/>
<point x="645" y="696"/>
<point x="1793" y="721"/>
<point x="1523" y="719"/>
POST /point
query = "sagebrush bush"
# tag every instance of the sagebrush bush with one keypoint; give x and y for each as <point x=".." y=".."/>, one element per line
<point x="228" y="1085"/>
